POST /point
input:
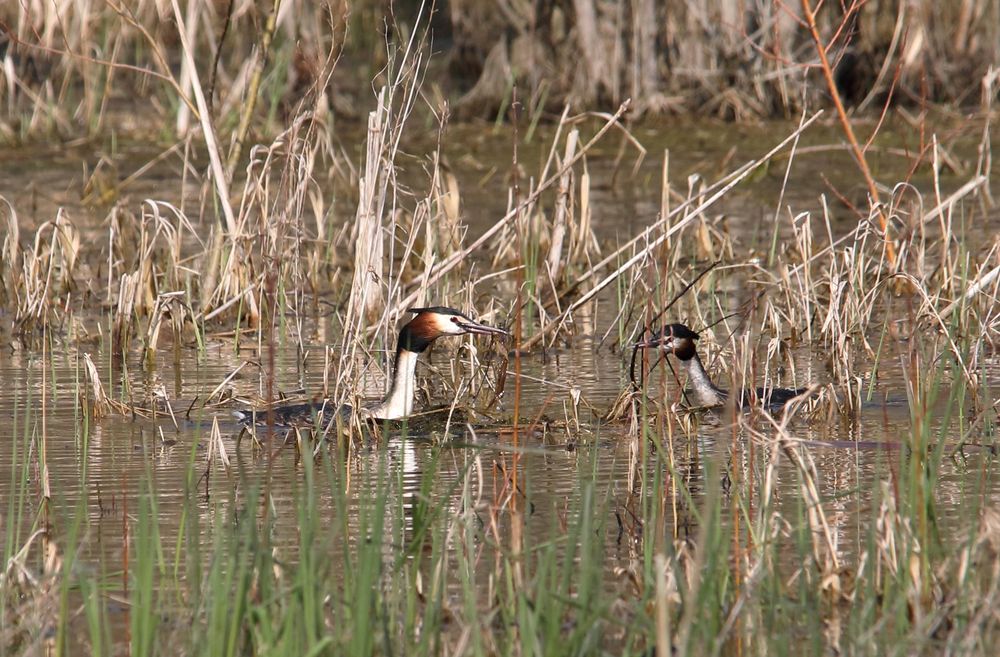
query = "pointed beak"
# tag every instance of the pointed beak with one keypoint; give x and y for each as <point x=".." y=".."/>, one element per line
<point x="648" y="344"/>
<point x="481" y="329"/>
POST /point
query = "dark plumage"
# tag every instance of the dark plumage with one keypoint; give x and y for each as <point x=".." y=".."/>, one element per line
<point x="295" y="415"/>
<point x="679" y="340"/>
<point x="415" y="337"/>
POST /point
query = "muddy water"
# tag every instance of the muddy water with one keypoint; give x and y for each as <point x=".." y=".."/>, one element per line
<point x="118" y="457"/>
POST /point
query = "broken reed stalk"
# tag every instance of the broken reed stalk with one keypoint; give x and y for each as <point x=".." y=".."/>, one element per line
<point x="11" y="261"/>
<point x="366" y="290"/>
<point x="562" y="217"/>
<point x="100" y="405"/>
<point x="845" y="123"/>
<point x="128" y="291"/>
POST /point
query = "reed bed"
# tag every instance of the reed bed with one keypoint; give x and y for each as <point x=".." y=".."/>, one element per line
<point x="686" y="550"/>
<point x="77" y="68"/>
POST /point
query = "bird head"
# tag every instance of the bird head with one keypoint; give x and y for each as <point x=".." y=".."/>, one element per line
<point x="676" y="339"/>
<point x="429" y="324"/>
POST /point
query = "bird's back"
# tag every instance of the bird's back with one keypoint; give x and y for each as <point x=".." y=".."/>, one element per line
<point x="772" y="399"/>
<point x="310" y="414"/>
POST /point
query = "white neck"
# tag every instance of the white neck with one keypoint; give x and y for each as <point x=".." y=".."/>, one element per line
<point x="704" y="392"/>
<point x="399" y="402"/>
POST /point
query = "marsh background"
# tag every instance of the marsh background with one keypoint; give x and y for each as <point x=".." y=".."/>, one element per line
<point x="213" y="205"/>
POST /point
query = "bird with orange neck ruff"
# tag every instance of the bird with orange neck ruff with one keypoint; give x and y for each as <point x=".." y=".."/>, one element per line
<point x="415" y="337"/>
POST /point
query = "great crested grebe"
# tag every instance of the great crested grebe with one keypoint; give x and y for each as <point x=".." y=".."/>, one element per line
<point x="678" y="339"/>
<point x="414" y="339"/>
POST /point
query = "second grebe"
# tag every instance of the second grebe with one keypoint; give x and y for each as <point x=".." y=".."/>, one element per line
<point x="678" y="339"/>
<point x="414" y="338"/>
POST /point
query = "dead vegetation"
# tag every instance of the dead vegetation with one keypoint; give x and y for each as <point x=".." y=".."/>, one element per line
<point x="726" y="58"/>
<point x="264" y="254"/>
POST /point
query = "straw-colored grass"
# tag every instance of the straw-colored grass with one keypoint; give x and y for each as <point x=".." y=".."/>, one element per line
<point x="710" y="560"/>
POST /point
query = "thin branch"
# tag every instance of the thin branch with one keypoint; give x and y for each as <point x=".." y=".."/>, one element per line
<point x="845" y="123"/>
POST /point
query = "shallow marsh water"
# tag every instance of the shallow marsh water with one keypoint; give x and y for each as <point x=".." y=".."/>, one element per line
<point x="111" y="463"/>
<point x="115" y="461"/>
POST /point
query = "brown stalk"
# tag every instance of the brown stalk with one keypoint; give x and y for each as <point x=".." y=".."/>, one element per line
<point x="218" y="53"/>
<point x="100" y="405"/>
<point x="845" y="123"/>
<point x="252" y="91"/>
<point x="516" y="521"/>
<point x="208" y="130"/>
<point x="563" y="214"/>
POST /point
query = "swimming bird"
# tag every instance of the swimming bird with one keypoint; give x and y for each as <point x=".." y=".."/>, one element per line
<point x="415" y="337"/>
<point x="679" y="340"/>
